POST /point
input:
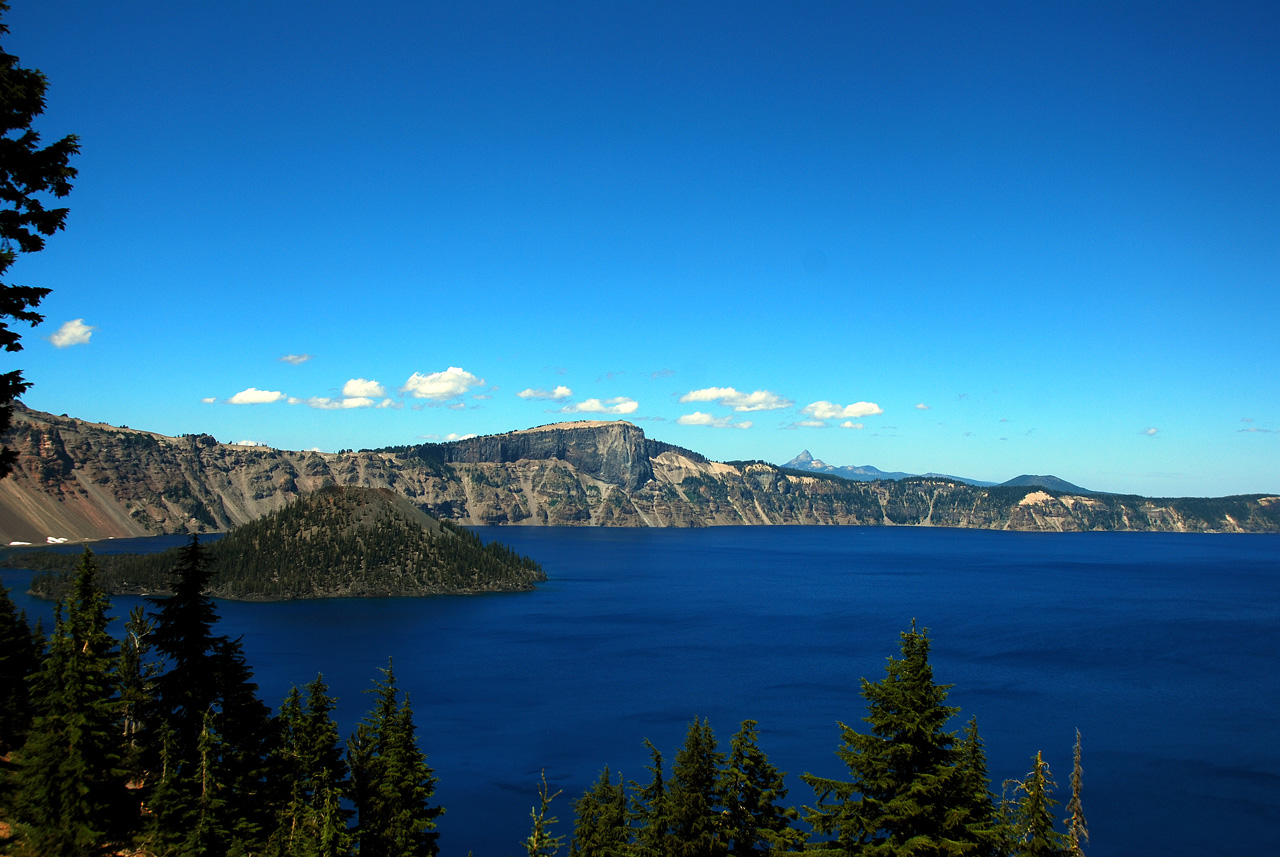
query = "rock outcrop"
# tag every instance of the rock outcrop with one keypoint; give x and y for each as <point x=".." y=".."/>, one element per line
<point x="78" y="480"/>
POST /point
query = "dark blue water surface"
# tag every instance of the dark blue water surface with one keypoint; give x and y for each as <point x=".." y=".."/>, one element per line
<point x="1162" y="649"/>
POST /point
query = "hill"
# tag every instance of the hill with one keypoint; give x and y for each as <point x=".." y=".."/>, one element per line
<point x="1053" y="483"/>
<point x="78" y="480"/>
<point x="335" y="542"/>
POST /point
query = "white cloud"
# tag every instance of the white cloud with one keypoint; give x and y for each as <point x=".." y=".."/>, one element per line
<point x="295" y="359"/>
<point x="560" y="392"/>
<point x="324" y="403"/>
<point x="389" y="403"/>
<point x="208" y="400"/>
<point x="1151" y="432"/>
<point x="851" y="425"/>
<point x="254" y="396"/>
<point x="698" y="418"/>
<point x="360" y="388"/>
<point x="74" y="332"/>
<point x="760" y="400"/>
<point x="440" y="386"/>
<point x="922" y="407"/>
<point x="453" y="436"/>
<point x="247" y="443"/>
<point x="832" y="411"/>
<point x="618" y="405"/>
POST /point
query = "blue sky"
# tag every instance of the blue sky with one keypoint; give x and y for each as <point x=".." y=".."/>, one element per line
<point x="977" y="238"/>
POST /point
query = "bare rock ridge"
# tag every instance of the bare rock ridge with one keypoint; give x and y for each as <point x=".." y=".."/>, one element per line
<point x="613" y="452"/>
<point x="78" y="480"/>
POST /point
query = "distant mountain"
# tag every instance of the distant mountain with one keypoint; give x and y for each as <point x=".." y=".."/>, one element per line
<point x="78" y="480"/>
<point x="334" y="542"/>
<point x="1053" y="483"/>
<point x="867" y="473"/>
<point x="864" y="473"/>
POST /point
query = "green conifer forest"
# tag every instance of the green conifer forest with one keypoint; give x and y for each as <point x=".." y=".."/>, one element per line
<point x="155" y="743"/>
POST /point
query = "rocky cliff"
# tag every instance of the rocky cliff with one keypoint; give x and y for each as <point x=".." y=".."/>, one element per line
<point x="79" y="480"/>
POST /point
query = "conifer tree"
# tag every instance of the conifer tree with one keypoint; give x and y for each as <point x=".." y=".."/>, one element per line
<point x="693" y="798"/>
<point x="754" y="821"/>
<point x="137" y="684"/>
<point x="29" y="175"/>
<point x="206" y="676"/>
<point x="1035" y="834"/>
<point x="904" y="773"/>
<point x="391" y="782"/>
<point x="70" y="785"/>
<point x="973" y="804"/>
<point x="540" y="842"/>
<point x="311" y="778"/>
<point x="601" y="821"/>
<point x="1077" y="829"/>
<point x="19" y="658"/>
<point x="650" y="812"/>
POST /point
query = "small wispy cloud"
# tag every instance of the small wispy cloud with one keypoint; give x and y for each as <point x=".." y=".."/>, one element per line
<point x="295" y="359"/>
<point x="698" y="418"/>
<point x="324" y="403"/>
<point x="247" y="443"/>
<point x="254" y="396"/>
<point x="616" y="405"/>
<point x="74" y="332"/>
<point x="560" y="392"/>
<point x="441" y="386"/>
<point x="209" y="400"/>
<point x="799" y="424"/>
<point x="1245" y="420"/>
<point x="921" y="406"/>
<point x="824" y="410"/>
<point x="662" y="373"/>
<point x="1258" y="431"/>
<point x="1151" y="431"/>
<point x="760" y="400"/>
<point x="849" y="424"/>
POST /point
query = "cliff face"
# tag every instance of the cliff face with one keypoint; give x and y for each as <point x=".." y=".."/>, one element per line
<point x="79" y="480"/>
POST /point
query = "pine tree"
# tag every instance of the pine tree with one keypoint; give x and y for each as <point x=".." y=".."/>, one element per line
<point x="137" y="684"/>
<point x="752" y="789"/>
<point x="184" y="636"/>
<point x="693" y="798"/>
<point x="207" y="689"/>
<point x="540" y="842"/>
<point x="973" y="802"/>
<point x="1035" y="834"/>
<point x="650" y="810"/>
<point x="70" y="784"/>
<point x="311" y="778"/>
<point x="601" y="821"/>
<point x="29" y="174"/>
<point x="1077" y="829"/>
<point x="391" y="782"/>
<point x="19" y="659"/>
<point x="904" y="773"/>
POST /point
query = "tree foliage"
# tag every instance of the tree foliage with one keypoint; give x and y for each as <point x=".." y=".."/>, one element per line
<point x="907" y="792"/>
<point x="755" y="822"/>
<point x="391" y="781"/>
<point x="29" y="175"/>
<point x="70" y="786"/>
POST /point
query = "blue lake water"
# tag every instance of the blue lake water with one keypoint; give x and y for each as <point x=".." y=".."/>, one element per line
<point x="1161" y="648"/>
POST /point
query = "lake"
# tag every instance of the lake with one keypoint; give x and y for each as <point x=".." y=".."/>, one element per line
<point x="1162" y="649"/>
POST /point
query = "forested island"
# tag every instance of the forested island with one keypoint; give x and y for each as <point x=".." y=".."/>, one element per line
<point x="158" y="745"/>
<point x="336" y="542"/>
